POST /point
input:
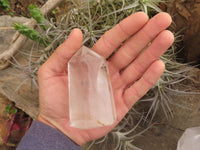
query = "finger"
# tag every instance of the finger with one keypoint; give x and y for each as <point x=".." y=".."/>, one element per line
<point x="113" y="38"/>
<point x="132" y="47"/>
<point x="57" y="63"/>
<point x="143" y="61"/>
<point x="144" y="84"/>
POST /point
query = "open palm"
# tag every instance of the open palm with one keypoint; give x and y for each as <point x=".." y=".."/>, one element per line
<point x="134" y="69"/>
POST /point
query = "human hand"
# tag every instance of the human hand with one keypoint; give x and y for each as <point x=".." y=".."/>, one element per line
<point x="130" y="65"/>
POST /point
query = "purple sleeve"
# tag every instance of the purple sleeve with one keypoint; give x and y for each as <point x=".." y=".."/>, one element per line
<point x="43" y="137"/>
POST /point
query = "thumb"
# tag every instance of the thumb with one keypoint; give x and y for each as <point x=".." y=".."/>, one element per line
<point x="57" y="63"/>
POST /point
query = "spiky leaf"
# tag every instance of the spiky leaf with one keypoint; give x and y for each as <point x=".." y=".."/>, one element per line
<point x="38" y="16"/>
<point x="31" y="33"/>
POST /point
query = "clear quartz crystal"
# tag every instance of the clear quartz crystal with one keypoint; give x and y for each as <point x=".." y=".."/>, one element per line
<point x="91" y="102"/>
<point x="190" y="140"/>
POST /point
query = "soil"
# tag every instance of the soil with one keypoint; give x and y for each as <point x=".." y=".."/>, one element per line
<point x="20" y="7"/>
<point x="186" y="16"/>
<point x="12" y="125"/>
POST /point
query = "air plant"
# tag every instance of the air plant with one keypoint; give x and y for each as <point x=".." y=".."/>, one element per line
<point x="169" y="84"/>
<point x="94" y="18"/>
<point x="123" y="135"/>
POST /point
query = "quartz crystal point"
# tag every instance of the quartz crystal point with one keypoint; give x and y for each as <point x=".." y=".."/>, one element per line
<point x="91" y="102"/>
<point x="190" y="140"/>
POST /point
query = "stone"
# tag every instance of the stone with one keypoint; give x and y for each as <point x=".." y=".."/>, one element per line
<point x="91" y="102"/>
<point x="6" y="30"/>
<point x="190" y="140"/>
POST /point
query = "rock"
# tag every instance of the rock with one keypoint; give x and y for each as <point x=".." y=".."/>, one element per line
<point x="186" y="16"/>
<point x="6" y="30"/>
<point x="188" y="115"/>
<point x="159" y="137"/>
<point x="25" y="97"/>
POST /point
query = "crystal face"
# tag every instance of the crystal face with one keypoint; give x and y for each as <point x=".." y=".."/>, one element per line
<point x="91" y="102"/>
<point x="190" y="140"/>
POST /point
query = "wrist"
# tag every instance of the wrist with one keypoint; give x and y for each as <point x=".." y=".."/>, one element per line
<point x="43" y="120"/>
<point x="66" y="131"/>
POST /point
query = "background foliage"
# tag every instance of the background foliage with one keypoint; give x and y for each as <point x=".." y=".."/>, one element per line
<point x="94" y="18"/>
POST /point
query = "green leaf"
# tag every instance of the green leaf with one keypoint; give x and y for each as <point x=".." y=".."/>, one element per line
<point x="54" y="11"/>
<point x="7" y="109"/>
<point x="13" y="111"/>
<point x="11" y="13"/>
<point x="5" y="3"/>
<point x="31" y="33"/>
<point x="36" y="13"/>
<point x="38" y="16"/>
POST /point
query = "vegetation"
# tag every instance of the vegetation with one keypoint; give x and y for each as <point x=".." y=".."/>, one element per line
<point x="94" y="18"/>
<point x="10" y="110"/>
<point x="31" y="33"/>
<point x="5" y="4"/>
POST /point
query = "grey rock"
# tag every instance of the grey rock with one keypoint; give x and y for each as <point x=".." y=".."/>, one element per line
<point x="6" y="32"/>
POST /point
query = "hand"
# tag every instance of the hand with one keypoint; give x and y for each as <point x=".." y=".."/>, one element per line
<point x="129" y="65"/>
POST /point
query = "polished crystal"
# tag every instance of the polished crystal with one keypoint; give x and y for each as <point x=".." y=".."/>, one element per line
<point x="190" y="140"/>
<point x="91" y="102"/>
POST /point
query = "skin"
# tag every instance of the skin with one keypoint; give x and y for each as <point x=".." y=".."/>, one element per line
<point x="133" y="71"/>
